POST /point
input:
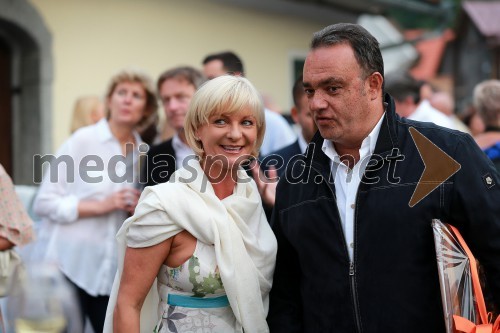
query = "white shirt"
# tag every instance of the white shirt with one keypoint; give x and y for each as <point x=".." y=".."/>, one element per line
<point x="302" y="143"/>
<point x="85" y="248"/>
<point x="426" y="112"/>
<point x="182" y="151"/>
<point x="347" y="181"/>
<point x="278" y="133"/>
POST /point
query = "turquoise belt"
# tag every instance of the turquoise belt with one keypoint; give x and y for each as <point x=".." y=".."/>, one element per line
<point x="197" y="302"/>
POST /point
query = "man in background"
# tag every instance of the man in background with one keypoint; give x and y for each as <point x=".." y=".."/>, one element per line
<point x="279" y="133"/>
<point x="176" y="87"/>
<point x="301" y="115"/>
<point x="409" y="104"/>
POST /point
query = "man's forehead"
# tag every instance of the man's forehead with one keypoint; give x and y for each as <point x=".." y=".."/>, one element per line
<point x="177" y="83"/>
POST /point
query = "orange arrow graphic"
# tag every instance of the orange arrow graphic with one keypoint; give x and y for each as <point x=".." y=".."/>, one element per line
<point x="439" y="166"/>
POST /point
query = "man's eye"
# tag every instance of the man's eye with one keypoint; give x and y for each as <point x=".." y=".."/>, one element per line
<point x="309" y="92"/>
<point x="332" y="89"/>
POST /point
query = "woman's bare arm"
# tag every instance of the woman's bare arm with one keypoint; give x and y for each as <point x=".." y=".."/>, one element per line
<point x="141" y="266"/>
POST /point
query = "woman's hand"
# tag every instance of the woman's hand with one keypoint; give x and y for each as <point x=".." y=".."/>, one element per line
<point x="5" y="244"/>
<point x="125" y="199"/>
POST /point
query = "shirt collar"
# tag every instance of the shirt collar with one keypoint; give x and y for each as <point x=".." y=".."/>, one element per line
<point x="105" y="134"/>
<point x="367" y="146"/>
<point x="103" y="130"/>
<point x="177" y="143"/>
<point x="302" y="143"/>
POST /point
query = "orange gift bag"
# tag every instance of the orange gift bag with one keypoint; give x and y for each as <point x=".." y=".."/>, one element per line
<point x="463" y="302"/>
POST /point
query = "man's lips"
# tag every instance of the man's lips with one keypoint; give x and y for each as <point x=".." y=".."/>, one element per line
<point x="323" y="120"/>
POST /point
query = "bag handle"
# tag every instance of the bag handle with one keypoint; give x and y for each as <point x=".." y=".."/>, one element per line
<point x="463" y="324"/>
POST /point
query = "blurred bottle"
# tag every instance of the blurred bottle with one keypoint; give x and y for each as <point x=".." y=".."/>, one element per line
<point x="42" y="301"/>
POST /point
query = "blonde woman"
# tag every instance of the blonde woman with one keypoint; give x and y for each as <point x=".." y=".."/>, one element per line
<point x="88" y="110"/>
<point x="85" y="198"/>
<point x="202" y="236"/>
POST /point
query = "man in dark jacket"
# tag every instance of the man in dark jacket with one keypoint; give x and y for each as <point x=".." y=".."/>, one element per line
<point x="176" y="87"/>
<point x="353" y="221"/>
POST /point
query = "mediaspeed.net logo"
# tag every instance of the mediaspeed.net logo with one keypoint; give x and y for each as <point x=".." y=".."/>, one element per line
<point x="133" y="167"/>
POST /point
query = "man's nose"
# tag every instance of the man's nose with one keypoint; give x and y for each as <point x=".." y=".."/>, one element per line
<point x="173" y="104"/>
<point x="317" y="102"/>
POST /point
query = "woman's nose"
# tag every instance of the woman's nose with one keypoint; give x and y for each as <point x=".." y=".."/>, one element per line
<point x="128" y="98"/>
<point x="234" y="132"/>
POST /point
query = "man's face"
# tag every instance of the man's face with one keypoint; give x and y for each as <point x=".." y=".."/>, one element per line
<point x="213" y="69"/>
<point x="302" y="115"/>
<point x="176" y="94"/>
<point x="338" y="95"/>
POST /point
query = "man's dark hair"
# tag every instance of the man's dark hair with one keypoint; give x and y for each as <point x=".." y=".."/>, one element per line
<point x="401" y="85"/>
<point x="187" y="73"/>
<point x="298" y="90"/>
<point x="365" y="46"/>
<point x="231" y="62"/>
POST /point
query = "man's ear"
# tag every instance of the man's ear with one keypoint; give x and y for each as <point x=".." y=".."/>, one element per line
<point x="294" y="112"/>
<point x="375" y="81"/>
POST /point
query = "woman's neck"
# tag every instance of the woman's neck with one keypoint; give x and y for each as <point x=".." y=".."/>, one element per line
<point x="124" y="134"/>
<point x="223" y="180"/>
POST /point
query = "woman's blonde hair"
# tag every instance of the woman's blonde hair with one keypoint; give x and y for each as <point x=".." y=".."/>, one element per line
<point x="85" y="111"/>
<point x="223" y="95"/>
<point x="132" y="75"/>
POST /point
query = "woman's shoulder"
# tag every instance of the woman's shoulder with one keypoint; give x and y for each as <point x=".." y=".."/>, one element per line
<point x="86" y="132"/>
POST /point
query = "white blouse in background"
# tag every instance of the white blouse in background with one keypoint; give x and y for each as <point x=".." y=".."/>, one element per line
<point x="85" y="248"/>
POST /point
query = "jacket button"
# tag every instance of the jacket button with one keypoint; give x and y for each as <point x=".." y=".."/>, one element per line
<point x="353" y="206"/>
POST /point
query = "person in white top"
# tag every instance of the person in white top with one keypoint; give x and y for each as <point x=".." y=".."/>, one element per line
<point x="90" y="189"/>
<point x="406" y="93"/>
<point x="202" y="236"/>
<point x="444" y="102"/>
<point x="279" y="133"/>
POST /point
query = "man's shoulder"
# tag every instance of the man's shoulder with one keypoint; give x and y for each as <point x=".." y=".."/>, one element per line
<point x="275" y="119"/>
<point x="291" y="149"/>
<point x="164" y="147"/>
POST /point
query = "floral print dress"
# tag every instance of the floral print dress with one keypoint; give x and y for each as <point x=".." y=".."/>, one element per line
<point x="192" y="297"/>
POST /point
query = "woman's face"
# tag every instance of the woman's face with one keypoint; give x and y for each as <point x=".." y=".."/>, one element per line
<point x="127" y="103"/>
<point x="228" y="139"/>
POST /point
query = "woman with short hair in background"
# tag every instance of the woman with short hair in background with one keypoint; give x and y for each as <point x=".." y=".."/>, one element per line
<point x="89" y="190"/>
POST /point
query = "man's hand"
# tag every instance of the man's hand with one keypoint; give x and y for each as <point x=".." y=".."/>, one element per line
<point x="265" y="183"/>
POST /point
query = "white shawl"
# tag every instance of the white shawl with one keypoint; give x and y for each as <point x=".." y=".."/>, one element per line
<point x="245" y="246"/>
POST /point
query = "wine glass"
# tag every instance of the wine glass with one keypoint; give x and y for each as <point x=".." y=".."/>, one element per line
<point x="41" y="301"/>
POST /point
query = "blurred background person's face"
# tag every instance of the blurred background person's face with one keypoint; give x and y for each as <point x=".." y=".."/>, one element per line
<point x="175" y="96"/>
<point x="127" y="103"/>
<point x="213" y="69"/>
<point x="301" y="114"/>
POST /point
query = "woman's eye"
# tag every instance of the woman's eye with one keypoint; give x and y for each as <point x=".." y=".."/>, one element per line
<point x="219" y="122"/>
<point x="138" y="96"/>
<point x="247" y="123"/>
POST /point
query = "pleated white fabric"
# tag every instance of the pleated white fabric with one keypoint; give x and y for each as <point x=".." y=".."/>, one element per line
<point x="245" y="246"/>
